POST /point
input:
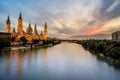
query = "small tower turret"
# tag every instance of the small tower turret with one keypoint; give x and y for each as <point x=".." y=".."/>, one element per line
<point x="35" y="30"/>
<point x="29" y="29"/>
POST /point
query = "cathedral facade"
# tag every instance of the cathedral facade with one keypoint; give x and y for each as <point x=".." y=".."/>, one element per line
<point x="30" y="34"/>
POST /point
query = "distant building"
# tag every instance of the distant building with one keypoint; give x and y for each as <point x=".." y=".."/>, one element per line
<point x="5" y="36"/>
<point x="116" y="36"/>
<point x="30" y="34"/>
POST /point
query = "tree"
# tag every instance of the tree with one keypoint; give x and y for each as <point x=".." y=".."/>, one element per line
<point x="35" y="41"/>
<point x="23" y="39"/>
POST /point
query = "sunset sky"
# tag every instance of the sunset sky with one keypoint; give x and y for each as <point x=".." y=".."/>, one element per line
<point x="67" y="19"/>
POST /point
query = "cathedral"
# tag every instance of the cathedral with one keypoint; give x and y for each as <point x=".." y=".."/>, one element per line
<point x="30" y="34"/>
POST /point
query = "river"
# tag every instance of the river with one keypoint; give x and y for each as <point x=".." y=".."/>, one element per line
<point x="66" y="61"/>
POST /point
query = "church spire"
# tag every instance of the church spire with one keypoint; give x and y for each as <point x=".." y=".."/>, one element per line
<point x="45" y="24"/>
<point x="20" y="16"/>
<point x="35" y="30"/>
<point x="8" y="20"/>
<point x="14" y="30"/>
<point x="29" y="29"/>
<point x="29" y="24"/>
<point x="41" y="33"/>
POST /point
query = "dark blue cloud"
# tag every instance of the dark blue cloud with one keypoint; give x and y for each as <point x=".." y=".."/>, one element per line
<point x="103" y="14"/>
<point x="115" y="12"/>
<point x="105" y="5"/>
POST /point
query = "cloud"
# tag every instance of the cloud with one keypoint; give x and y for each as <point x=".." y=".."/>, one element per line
<point x="97" y="36"/>
<point x="111" y="25"/>
<point x="65" y="18"/>
<point x="2" y="28"/>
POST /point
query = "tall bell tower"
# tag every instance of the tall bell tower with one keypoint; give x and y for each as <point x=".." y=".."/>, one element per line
<point x="20" y="24"/>
<point x="8" y="25"/>
<point x="45" y="32"/>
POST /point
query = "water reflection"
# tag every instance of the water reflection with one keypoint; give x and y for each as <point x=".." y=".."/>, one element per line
<point x="7" y="64"/>
<point x="30" y="56"/>
<point x="17" y="59"/>
<point x="110" y="62"/>
<point x="65" y="61"/>
<point x="45" y="52"/>
<point x="14" y="57"/>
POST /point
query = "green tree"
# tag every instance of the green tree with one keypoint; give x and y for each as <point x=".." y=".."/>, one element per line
<point x="23" y="39"/>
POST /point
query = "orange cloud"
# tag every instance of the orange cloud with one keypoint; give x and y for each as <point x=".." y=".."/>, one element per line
<point x="93" y="31"/>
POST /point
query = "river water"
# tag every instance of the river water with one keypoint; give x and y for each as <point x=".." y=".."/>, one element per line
<point x="66" y="61"/>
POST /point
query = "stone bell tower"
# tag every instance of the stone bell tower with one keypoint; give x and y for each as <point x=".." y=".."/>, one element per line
<point x="8" y="25"/>
<point x="20" y="24"/>
<point x="45" y="32"/>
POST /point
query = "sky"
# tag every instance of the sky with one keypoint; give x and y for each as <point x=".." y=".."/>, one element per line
<point x="66" y="19"/>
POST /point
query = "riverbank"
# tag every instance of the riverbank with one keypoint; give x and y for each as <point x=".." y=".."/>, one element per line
<point x="105" y="48"/>
<point x="31" y="46"/>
